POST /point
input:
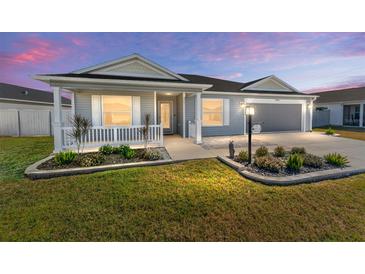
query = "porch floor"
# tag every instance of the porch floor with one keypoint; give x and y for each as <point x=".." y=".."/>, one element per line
<point x="185" y="149"/>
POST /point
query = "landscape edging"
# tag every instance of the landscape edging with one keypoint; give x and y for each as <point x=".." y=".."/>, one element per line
<point x="34" y="173"/>
<point x="310" y="177"/>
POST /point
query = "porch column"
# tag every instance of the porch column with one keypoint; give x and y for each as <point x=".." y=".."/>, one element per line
<point x="361" y="121"/>
<point x="57" y="123"/>
<point x="198" y="118"/>
<point x="310" y="108"/>
<point x="184" y="122"/>
<point x="73" y="104"/>
<point x="155" y="107"/>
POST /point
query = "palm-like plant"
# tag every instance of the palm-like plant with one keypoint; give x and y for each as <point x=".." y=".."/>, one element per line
<point x="80" y="128"/>
<point x="146" y="129"/>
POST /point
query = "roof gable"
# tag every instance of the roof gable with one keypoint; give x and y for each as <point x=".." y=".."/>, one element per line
<point x="132" y="66"/>
<point x="270" y="83"/>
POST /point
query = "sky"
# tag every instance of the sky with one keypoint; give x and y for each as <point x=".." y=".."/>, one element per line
<point x="310" y="62"/>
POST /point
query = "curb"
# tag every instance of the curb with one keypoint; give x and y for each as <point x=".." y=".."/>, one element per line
<point x="310" y="177"/>
<point x="34" y="173"/>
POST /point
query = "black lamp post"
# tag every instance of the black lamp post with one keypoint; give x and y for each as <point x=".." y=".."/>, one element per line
<point x="250" y="111"/>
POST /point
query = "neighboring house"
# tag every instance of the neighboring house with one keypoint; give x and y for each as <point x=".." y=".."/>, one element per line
<point x="117" y="95"/>
<point x="26" y="111"/>
<point x="346" y="106"/>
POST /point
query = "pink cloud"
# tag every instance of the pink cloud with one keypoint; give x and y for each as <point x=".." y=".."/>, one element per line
<point x="33" y="50"/>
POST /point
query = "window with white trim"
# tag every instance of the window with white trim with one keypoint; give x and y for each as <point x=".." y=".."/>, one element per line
<point x="117" y="110"/>
<point x="212" y="112"/>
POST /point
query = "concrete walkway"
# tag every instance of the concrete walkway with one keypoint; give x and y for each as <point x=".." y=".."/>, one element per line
<point x="314" y="142"/>
<point x="184" y="149"/>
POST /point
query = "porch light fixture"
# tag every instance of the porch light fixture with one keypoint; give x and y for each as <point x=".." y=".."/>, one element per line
<point x="250" y="111"/>
<point x="242" y="105"/>
<point x="310" y="105"/>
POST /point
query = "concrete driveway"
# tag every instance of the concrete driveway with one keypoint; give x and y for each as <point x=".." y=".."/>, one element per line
<point x="314" y="142"/>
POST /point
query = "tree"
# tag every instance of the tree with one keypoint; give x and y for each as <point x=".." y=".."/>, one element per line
<point x="80" y="128"/>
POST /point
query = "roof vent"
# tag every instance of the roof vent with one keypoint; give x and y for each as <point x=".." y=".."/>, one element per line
<point x="25" y="92"/>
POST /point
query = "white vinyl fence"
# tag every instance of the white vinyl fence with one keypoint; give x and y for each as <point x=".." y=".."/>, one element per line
<point x="29" y="122"/>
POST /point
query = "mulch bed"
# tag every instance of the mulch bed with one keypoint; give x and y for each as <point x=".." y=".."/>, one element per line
<point x="283" y="172"/>
<point x="109" y="159"/>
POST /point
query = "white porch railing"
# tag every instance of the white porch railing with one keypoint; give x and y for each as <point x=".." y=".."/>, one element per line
<point x="100" y="135"/>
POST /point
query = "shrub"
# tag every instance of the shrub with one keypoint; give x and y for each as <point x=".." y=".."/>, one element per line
<point x="127" y="152"/>
<point x="298" y="150"/>
<point x="329" y="131"/>
<point x="336" y="159"/>
<point x="106" y="149"/>
<point x="262" y="151"/>
<point x="116" y="150"/>
<point x="151" y="155"/>
<point x="64" y="157"/>
<point x="243" y="156"/>
<point x="93" y="159"/>
<point x="294" y="162"/>
<point x="279" y="151"/>
<point x="312" y="160"/>
<point x="269" y="163"/>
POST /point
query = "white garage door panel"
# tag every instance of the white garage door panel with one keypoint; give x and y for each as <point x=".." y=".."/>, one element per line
<point x="278" y="117"/>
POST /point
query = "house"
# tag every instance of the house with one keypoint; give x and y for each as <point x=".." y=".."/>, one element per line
<point x="346" y="106"/>
<point x="26" y="111"/>
<point x="117" y="95"/>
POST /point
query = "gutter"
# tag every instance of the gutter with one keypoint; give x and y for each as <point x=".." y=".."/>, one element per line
<point x="49" y="79"/>
<point x="34" y="102"/>
<point x="260" y="94"/>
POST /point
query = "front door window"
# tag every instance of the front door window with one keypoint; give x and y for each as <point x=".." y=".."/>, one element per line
<point x="166" y="116"/>
<point x="351" y="115"/>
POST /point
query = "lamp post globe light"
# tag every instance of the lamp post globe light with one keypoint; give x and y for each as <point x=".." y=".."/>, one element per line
<point x="249" y="111"/>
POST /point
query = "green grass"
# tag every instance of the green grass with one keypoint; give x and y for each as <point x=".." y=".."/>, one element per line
<point x="352" y="133"/>
<point x="201" y="200"/>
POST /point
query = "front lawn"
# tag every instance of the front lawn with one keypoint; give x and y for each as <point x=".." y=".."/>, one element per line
<point x="352" y="133"/>
<point x="201" y="200"/>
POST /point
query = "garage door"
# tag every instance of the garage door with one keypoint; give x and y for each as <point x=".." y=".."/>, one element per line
<point x="278" y="117"/>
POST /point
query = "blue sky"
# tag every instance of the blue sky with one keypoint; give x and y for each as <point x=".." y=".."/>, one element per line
<point x="308" y="61"/>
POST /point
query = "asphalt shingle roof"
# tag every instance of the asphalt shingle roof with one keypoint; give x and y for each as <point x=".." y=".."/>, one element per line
<point x="341" y="95"/>
<point x="14" y="92"/>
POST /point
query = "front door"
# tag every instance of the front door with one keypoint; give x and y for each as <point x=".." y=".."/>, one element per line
<point x="165" y="116"/>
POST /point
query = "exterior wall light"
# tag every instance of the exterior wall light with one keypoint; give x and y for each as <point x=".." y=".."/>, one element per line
<point x="250" y="110"/>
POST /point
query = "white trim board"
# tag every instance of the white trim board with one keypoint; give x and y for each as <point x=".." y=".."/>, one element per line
<point x="70" y="82"/>
<point x="274" y="78"/>
<point x="34" y="102"/>
<point x="138" y="57"/>
<point x="261" y="94"/>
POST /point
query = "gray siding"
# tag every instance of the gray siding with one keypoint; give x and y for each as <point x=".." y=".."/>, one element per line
<point x="235" y="126"/>
<point x="83" y="105"/>
<point x="83" y="102"/>
<point x="189" y="112"/>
